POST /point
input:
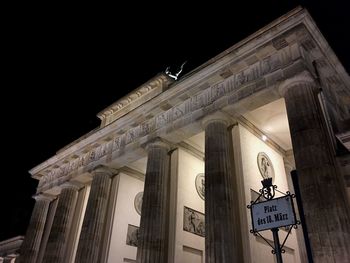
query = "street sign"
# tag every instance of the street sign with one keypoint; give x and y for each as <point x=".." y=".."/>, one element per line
<point x="273" y="213"/>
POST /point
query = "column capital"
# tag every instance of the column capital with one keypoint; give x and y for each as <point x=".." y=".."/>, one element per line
<point x="157" y="142"/>
<point x="72" y="185"/>
<point x="218" y="116"/>
<point x="303" y="77"/>
<point x="103" y="169"/>
<point x="44" y="196"/>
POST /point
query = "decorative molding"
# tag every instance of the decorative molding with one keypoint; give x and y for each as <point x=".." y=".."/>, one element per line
<point x="134" y="99"/>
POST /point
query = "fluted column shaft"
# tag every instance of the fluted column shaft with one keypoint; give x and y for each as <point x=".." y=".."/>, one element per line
<point x="152" y="234"/>
<point x="90" y="240"/>
<point x="56" y="245"/>
<point x="220" y="244"/>
<point x="31" y="244"/>
<point x="324" y="205"/>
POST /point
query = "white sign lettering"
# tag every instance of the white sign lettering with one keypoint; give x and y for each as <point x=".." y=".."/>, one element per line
<point x="273" y="213"/>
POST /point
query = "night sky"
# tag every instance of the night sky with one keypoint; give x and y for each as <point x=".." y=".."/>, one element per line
<point x="64" y="64"/>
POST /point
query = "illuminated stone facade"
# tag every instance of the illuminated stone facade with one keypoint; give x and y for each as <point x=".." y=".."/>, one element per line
<point x="283" y="82"/>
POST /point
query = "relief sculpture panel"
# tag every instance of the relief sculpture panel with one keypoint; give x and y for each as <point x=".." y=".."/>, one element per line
<point x="193" y="222"/>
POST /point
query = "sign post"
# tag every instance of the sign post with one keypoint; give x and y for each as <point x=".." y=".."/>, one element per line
<point x="272" y="214"/>
<point x="277" y="244"/>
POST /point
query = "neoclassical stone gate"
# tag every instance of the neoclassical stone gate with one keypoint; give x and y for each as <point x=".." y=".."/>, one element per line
<point x="277" y="61"/>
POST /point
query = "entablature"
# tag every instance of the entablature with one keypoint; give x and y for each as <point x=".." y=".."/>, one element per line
<point x="250" y="69"/>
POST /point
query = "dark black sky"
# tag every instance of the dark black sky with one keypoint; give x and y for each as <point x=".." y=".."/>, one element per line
<point x="65" y="63"/>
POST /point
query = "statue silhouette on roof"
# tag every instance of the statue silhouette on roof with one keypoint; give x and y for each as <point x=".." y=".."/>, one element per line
<point x="176" y="75"/>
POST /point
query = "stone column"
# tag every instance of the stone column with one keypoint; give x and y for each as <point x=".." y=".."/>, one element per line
<point x="56" y="245"/>
<point x="31" y="244"/>
<point x="152" y="246"/>
<point x="90" y="240"/>
<point x="220" y="241"/>
<point x="326" y="214"/>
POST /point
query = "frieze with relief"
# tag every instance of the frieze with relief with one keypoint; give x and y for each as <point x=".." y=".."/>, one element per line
<point x="229" y="86"/>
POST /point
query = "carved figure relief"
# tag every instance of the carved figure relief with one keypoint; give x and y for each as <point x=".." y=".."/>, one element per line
<point x="241" y="78"/>
<point x="161" y="120"/>
<point x="132" y="237"/>
<point x="265" y="166"/>
<point x="194" y="222"/>
<point x="138" y="202"/>
<point x="200" y="185"/>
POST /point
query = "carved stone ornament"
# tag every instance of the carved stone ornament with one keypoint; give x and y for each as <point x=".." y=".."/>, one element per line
<point x="200" y="185"/>
<point x="138" y="202"/>
<point x="132" y="238"/>
<point x="265" y="166"/>
<point x="194" y="222"/>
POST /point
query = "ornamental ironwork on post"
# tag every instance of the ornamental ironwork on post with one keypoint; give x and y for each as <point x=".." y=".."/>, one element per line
<point x="273" y="214"/>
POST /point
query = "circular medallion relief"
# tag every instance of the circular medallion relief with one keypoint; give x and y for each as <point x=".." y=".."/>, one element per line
<point x="200" y="185"/>
<point x="138" y="202"/>
<point x="265" y="166"/>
